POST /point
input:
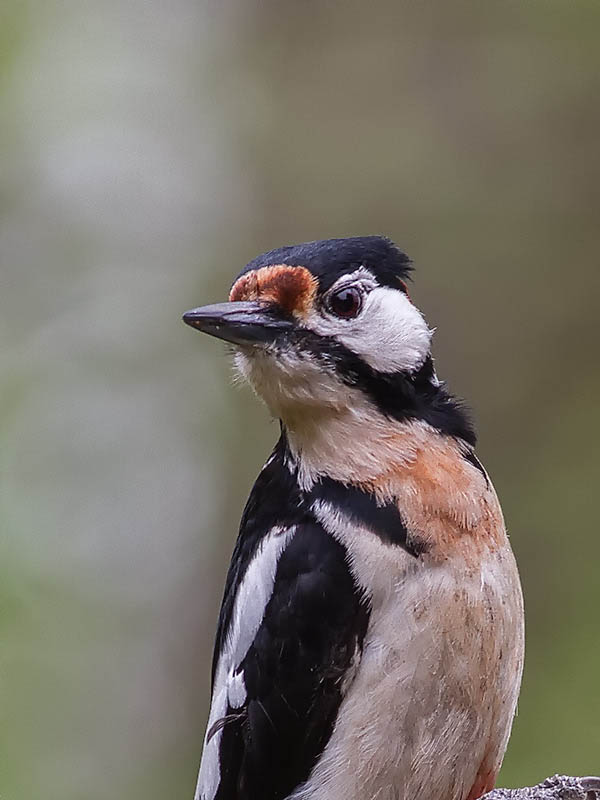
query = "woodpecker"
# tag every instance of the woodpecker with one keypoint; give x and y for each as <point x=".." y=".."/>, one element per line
<point x="370" y="641"/>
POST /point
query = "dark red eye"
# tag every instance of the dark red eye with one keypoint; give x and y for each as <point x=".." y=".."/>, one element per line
<point x="346" y="303"/>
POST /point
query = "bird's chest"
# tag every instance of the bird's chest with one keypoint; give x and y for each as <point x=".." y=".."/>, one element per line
<point x="439" y="639"/>
<point x="435" y="692"/>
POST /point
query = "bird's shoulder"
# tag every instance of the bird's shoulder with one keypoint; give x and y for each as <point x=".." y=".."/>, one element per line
<point x="274" y="505"/>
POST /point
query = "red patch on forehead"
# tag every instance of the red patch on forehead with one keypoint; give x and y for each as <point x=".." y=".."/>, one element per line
<point x="292" y="288"/>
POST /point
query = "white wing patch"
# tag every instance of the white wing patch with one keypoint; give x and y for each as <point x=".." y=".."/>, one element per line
<point x="252" y="598"/>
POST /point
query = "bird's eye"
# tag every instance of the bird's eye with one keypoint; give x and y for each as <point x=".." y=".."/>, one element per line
<point x="346" y="303"/>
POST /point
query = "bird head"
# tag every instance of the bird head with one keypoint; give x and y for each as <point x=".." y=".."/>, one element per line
<point x="327" y="327"/>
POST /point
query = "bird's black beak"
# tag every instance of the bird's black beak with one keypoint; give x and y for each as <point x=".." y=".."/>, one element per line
<point x="241" y="322"/>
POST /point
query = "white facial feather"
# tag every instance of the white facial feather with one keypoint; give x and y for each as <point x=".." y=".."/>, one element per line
<point x="390" y="333"/>
<point x="292" y="384"/>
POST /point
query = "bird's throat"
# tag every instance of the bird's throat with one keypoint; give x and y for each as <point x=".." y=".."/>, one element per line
<point x="353" y="445"/>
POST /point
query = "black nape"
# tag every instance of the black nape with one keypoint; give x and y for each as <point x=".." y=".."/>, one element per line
<point x="441" y="409"/>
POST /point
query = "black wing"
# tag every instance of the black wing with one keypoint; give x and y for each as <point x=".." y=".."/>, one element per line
<point x="275" y="499"/>
<point x="310" y="636"/>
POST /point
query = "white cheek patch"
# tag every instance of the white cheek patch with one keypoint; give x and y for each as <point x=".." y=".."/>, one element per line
<point x="390" y="333"/>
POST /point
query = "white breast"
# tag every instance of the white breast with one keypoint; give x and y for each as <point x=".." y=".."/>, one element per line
<point x="436" y="689"/>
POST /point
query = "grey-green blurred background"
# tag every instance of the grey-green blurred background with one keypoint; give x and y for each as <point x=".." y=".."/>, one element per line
<point x="148" y="150"/>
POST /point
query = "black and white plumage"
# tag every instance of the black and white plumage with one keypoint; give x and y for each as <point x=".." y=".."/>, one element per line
<point x="288" y="684"/>
<point x="281" y="666"/>
<point x="370" y="639"/>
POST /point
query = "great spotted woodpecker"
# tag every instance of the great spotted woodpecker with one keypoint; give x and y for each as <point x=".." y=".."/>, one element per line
<point x="370" y="641"/>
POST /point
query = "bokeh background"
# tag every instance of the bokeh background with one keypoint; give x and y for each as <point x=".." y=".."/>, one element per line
<point x="148" y="150"/>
